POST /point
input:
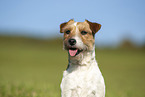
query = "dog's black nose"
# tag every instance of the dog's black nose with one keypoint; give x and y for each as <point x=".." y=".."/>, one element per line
<point x="72" y="42"/>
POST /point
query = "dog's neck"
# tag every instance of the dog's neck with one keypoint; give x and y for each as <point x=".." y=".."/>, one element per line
<point x="85" y="59"/>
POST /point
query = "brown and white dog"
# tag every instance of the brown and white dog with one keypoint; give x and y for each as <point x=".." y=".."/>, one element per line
<point x="82" y="78"/>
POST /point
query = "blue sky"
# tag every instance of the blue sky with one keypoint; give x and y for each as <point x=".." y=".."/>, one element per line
<point x="119" y="18"/>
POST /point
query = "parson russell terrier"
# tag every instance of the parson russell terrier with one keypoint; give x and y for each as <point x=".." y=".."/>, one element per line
<point x="82" y="78"/>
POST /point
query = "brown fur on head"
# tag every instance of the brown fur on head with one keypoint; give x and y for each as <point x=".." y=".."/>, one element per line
<point x="64" y="24"/>
<point x="95" y="27"/>
<point x="82" y="32"/>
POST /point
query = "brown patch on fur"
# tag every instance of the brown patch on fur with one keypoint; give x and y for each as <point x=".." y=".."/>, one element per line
<point x="95" y="27"/>
<point x="72" y="30"/>
<point x="87" y="39"/>
<point x="87" y="26"/>
<point x="62" y="26"/>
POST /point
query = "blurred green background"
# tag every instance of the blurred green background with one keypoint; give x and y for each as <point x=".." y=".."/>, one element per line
<point x="33" y="68"/>
<point x="32" y="60"/>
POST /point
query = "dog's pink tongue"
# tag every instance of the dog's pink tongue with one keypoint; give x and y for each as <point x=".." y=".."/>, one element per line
<point x="73" y="52"/>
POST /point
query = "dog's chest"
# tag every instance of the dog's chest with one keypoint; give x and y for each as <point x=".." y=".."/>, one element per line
<point x="76" y="78"/>
<point x="81" y="82"/>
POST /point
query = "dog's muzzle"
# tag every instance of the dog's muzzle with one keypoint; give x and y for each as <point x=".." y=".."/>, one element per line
<point x="72" y="42"/>
<point x="72" y="47"/>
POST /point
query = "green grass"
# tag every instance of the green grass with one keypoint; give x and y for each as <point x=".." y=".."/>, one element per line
<point x="33" y="68"/>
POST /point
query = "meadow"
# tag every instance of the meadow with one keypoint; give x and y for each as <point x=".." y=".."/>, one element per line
<point x="33" y="68"/>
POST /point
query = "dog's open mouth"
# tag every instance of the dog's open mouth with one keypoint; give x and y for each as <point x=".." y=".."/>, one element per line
<point x="74" y="51"/>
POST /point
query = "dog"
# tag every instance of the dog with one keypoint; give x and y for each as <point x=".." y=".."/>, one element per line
<point x="82" y="78"/>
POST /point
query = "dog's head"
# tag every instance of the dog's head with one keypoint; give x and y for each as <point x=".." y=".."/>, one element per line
<point x="79" y="36"/>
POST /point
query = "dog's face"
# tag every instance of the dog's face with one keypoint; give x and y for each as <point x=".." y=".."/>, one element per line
<point x="79" y="36"/>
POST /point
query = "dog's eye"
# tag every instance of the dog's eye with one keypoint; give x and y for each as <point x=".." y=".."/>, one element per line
<point x="84" y="32"/>
<point x="67" y="32"/>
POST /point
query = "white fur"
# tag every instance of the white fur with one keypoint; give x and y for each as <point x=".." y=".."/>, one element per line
<point x="75" y="24"/>
<point x="83" y="80"/>
<point x="77" y="37"/>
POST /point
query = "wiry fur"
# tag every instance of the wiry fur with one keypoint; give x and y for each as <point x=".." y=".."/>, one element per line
<point x="82" y="77"/>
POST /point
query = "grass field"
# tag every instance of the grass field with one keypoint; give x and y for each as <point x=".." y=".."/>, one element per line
<point x="33" y="68"/>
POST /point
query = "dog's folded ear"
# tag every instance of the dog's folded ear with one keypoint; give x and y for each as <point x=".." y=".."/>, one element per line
<point x="95" y="27"/>
<point x="64" y="24"/>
